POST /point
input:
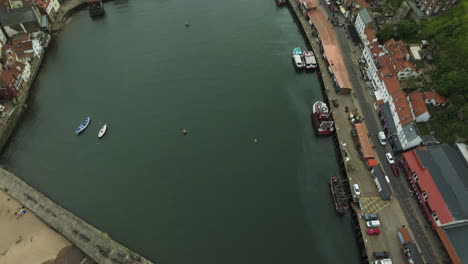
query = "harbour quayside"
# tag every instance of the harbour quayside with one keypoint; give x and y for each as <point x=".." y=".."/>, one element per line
<point x="83" y="125"/>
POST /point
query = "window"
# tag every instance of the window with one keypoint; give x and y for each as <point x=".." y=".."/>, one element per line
<point x="434" y="215"/>
<point x="424" y="195"/>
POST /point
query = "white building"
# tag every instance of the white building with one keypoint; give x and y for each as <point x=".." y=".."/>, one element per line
<point x="363" y="20"/>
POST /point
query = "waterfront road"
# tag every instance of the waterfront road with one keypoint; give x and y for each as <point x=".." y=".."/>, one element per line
<point x="425" y="237"/>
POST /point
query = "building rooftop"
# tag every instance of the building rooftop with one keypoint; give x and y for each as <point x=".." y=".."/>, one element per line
<point x="385" y="67"/>
<point x="375" y="49"/>
<point x="463" y="149"/>
<point x="363" y="137"/>
<point x="370" y="34"/>
<point x="417" y="103"/>
<point x="450" y="174"/>
<point x="392" y="84"/>
<point x="17" y="16"/>
<point x="411" y="131"/>
<point x="390" y="125"/>
<point x="366" y="16"/>
<point x="402" y="108"/>
<point x="458" y="237"/>
<point x="435" y="96"/>
<point x="384" y="191"/>
<point x="427" y="184"/>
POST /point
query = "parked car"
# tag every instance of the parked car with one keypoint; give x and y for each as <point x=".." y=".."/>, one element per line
<point x="369" y="217"/>
<point x="356" y="190"/>
<point x="373" y="223"/>
<point x="331" y="7"/>
<point x="382" y="138"/>
<point x="373" y="231"/>
<point x="335" y="102"/>
<point x="328" y="2"/>
<point x="381" y="254"/>
<point x="390" y="158"/>
<point x="395" y="170"/>
<point x="335" y="23"/>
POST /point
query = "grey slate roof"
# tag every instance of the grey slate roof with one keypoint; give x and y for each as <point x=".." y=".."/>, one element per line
<point x="458" y="236"/>
<point x="396" y="145"/>
<point x="366" y="16"/>
<point x="384" y="191"/>
<point x="450" y="174"/>
<point x="16" y="16"/>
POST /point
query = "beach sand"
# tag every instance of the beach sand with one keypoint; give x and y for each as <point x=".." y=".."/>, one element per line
<point x="26" y="239"/>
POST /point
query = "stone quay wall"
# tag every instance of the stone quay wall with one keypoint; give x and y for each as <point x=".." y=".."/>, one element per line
<point x="93" y="242"/>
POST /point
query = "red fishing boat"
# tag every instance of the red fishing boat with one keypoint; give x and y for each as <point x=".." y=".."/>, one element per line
<point x="322" y="119"/>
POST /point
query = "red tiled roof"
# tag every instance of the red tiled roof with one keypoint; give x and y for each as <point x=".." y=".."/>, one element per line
<point x="385" y="67"/>
<point x="374" y="48"/>
<point x="402" y="108"/>
<point x="392" y="84"/>
<point x="363" y="138"/>
<point x="6" y="78"/>
<point x="369" y="34"/>
<point x="425" y="181"/>
<point x="42" y="4"/>
<point x="417" y="102"/>
<point x="27" y="3"/>
<point x="436" y="96"/>
<point x="20" y="38"/>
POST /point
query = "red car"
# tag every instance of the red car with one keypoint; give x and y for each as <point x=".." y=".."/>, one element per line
<point x="373" y="231"/>
<point x="331" y="7"/>
<point x="395" y="170"/>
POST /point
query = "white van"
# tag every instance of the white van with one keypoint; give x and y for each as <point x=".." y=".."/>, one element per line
<point x="373" y="223"/>
<point x="382" y="138"/>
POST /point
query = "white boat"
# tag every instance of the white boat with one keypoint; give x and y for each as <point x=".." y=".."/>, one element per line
<point x="310" y="61"/>
<point x="297" y="58"/>
<point x="102" y="131"/>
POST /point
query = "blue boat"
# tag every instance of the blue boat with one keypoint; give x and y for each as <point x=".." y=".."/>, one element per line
<point x="297" y="51"/>
<point x="83" y="125"/>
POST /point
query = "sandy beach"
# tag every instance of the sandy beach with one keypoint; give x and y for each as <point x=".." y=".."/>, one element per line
<point x="25" y="239"/>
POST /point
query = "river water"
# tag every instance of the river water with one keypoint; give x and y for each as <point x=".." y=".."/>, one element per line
<point x="213" y="196"/>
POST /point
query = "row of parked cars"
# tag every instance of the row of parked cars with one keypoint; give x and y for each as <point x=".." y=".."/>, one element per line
<point x="372" y="224"/>
<point x="388" y="156"/>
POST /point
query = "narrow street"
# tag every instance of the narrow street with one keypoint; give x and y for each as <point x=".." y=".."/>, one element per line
<point x="428" y="242"/>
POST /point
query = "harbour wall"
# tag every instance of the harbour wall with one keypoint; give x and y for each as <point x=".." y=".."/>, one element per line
<point x="96" y="244"/>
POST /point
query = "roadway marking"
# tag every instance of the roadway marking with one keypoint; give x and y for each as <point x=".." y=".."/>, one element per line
<point x="372" y="205"/>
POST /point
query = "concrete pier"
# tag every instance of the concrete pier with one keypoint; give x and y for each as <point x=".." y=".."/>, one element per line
<point x="95" y="243"/>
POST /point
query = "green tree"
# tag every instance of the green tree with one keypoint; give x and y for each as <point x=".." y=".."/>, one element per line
<point x="385" y="33"/>
<point x="407" y="30"/>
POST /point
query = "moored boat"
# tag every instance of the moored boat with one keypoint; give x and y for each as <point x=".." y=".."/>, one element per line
<point x="321" y="119"/>
<point x="340" y="197"/>
<point x="83" y="125"/>
<point x="297" y="58"/>
<point x="310" y="61"/>
<point x="102" y="131"/>
<point x="280" y="2"/>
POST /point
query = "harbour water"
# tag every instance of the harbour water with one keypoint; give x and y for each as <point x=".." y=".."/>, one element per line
<point x="214" y="195"/>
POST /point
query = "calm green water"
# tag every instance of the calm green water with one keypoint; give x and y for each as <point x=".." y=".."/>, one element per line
<point x="212" y="196"/>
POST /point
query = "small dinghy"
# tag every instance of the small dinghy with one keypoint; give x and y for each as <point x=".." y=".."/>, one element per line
<point x="83" y="125"/>
<point x="102" y="131"/>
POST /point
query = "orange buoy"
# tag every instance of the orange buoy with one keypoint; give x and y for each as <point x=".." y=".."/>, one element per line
<point x="184" y="131"/>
